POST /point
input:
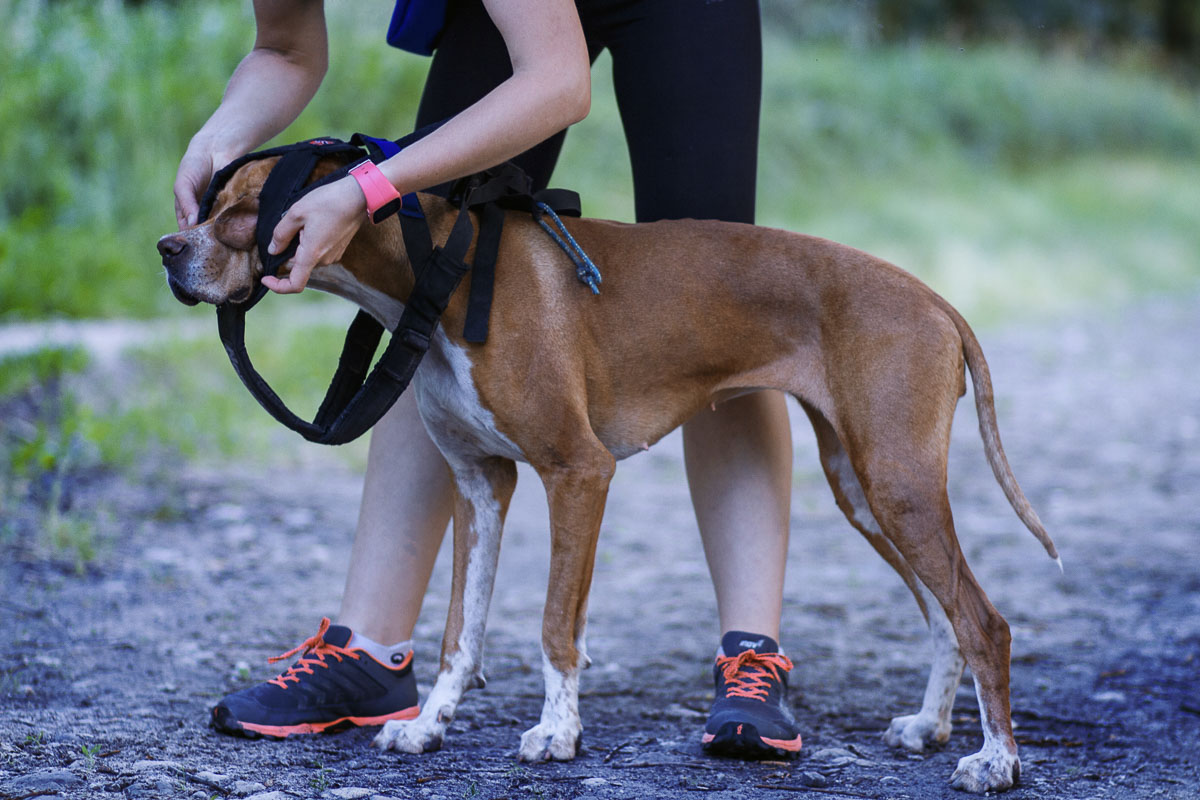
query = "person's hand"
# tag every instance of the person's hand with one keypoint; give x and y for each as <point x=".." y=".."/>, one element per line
<point x="196" y="169"/>
<point x="325" y="219"/>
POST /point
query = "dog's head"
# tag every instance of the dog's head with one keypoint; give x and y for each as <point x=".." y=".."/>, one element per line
<point x="217" y="261"/>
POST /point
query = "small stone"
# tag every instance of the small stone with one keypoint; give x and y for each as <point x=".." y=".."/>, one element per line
<point x="831" y="753"/>
<point x="814" y="779"/>
<point x="276" y="795"/>
<point x="594" y="782"/>
<point x="147" y="766"/>
<point x="677" y="711"/>
<point x="46" y="782"/>
<point x="297" y="518"/>
<point x="213" y="777"/>
<point x="243" y="788"/>
<point x="350" y="793"/>
<point x="1109" y="697"/>
<point x="227" y="512"/>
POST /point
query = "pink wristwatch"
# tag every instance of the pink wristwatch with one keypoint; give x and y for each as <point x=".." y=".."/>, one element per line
<point x="382" y="198"/>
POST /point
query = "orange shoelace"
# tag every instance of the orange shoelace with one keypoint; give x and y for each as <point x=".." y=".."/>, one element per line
<point x="314" y="645"/>
<point x="747" y="673"/>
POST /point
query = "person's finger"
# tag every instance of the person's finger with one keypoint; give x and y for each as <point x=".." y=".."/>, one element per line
<point x="284" y="232"/>
<point x="300" y="267"/>
<point x="187" y="209"/>
<point x="293" y="283"/>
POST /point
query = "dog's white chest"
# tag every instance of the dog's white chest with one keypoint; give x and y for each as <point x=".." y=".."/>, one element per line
<point x="450" y="407"/>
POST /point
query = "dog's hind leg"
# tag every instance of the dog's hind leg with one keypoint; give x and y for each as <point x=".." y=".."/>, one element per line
<point x="482" y="492"/>
<point x="576" y="488"/>
<point x="932" y="723"/>
<point x="905" y="486"/>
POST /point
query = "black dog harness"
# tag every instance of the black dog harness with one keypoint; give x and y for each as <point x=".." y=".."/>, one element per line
<point x="355" y="399"/>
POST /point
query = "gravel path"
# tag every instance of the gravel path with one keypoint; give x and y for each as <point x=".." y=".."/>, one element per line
<point x="106" y="679"/>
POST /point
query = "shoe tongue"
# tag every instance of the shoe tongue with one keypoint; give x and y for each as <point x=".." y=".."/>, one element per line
<point x="337" y="635"/>
<point x="736" y="642"/>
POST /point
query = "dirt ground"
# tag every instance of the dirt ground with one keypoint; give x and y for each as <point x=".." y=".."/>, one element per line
<point x="106" y="678"/>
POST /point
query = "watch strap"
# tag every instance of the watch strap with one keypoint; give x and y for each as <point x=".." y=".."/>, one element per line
<point x="382" y="198"/>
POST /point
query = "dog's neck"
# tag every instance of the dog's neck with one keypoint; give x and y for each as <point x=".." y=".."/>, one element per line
<point x="374" y="272"/>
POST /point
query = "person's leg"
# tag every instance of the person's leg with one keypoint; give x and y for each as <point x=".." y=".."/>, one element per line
<point x="688" y="80"/>
<point x="406" y="504"/>
<point x="739" y="467"/>
<point x="689" y="90"/>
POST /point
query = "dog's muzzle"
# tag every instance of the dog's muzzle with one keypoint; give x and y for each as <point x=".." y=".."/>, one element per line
<point x="173" y="249"/>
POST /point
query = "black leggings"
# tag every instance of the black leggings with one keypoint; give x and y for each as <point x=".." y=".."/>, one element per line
<point x="688" y="78"/>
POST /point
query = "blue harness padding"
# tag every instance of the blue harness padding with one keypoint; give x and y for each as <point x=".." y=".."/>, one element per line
<point x="417" y="25"/>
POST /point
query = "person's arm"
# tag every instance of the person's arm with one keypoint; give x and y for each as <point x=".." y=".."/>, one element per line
<point x="268" y="90"/>
<point x="550" y="88"/>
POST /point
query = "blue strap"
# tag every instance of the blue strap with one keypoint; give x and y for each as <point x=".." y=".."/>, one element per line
<point x="409" y="206"/>
<point x="585" y="268"/>
<point x="386" y="146"/>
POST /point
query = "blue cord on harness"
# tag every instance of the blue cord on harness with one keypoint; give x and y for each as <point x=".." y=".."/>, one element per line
<point x="585" y="269"/>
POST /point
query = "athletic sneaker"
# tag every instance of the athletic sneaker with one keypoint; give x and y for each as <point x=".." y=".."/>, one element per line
<point x="750" y="717"/>
<point x="329" y="687"/>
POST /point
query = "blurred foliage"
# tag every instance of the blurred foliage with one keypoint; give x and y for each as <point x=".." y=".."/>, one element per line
<point x="68" y="424"/>
<point x="43" y="455"/>
<point x="103" y="97"/>
<point x="1168" y="28"/>
<point x="868" y="105"/>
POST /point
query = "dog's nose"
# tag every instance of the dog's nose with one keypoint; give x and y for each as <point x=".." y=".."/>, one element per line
<point x="172" y="246"/>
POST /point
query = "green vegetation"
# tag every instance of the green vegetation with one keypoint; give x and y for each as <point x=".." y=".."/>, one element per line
<point x="1017" y="180"/>
<point x="102" y="98"/>
<point x="42" y="450"/>
<point x="992" y="171"/>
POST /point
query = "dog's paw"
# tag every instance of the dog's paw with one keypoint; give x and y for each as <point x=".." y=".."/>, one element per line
<point x="409" y="736"/>
<point x="550" y="742"/>
<point x="986" y="771"/>
<point x="915" y="732"/>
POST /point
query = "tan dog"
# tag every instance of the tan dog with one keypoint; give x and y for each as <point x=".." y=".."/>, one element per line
<point x="690" y="313"/>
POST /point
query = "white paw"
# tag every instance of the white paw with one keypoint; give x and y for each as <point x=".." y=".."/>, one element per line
<point x="550" y="741"/>
<point x="410" y="736"/>
<point x="915" y="732"/>
<point x="986" y="771"/>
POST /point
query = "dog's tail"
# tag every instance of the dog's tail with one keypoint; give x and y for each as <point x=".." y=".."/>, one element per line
<point x="985" y="408"/>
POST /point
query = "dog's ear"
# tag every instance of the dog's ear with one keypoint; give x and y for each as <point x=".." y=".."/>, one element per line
<point x="234" y="227"/>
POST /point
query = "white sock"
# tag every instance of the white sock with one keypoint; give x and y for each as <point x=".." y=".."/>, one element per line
<point x="391" y="655"/>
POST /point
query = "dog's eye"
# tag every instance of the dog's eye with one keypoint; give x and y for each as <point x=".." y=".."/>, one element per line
<point x="234" y="227"/>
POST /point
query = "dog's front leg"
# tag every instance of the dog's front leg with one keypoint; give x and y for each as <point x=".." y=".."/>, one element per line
<point x="482" y="492"/>
<point x="576" y="496"/>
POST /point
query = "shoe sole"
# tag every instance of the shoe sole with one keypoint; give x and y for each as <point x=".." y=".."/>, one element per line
<point x="741" y="740"/>
<point x="223" y="721"/>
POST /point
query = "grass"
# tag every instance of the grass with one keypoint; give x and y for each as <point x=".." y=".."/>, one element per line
<point x="43" y="449"/>
<point x="1018" y="183"/>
